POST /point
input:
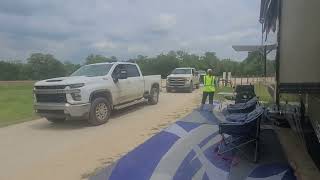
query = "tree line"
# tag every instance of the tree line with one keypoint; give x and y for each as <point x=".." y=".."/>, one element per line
<point x="43" y="66"/>
<point x="163" y="64"/>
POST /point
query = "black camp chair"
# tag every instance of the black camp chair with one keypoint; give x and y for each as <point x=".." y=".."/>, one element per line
<point x="243" y="107"/>
<point x="243" y="129"/>
<point x="244" y="93"/>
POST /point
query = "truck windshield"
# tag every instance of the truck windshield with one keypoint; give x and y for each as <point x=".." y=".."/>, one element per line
<point x="93" y="70"/>
<point x="181" y="71"/>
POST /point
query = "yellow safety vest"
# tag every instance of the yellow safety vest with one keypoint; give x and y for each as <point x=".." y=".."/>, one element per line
<point x="209" y="85"/>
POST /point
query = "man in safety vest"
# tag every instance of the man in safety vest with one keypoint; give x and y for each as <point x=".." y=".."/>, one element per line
<point x="209" y="88"/>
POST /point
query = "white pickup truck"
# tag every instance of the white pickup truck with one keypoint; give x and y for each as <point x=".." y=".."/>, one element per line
<point x="93" y="91"/>
<point x="183" y="79"/>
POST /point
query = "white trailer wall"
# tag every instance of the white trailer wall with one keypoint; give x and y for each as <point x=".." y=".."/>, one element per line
<point x="300" y="42"/>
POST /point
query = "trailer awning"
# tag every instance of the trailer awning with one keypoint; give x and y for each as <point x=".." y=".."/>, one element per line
<point x="252" y="48"/>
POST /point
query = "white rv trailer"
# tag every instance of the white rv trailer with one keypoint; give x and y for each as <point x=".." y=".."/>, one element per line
<point x="298" y="64"/>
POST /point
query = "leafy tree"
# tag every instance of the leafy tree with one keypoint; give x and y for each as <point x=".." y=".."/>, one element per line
<point x="271" y="68"/>
<point x="227" y="65"/>
<point x="162" y="64"/>
<point x="70" y="68"/>
<point x="210" y="60"/>
<point x="253" y="64"/>
<point x="44" y="66"/>
<point x="11" y="70"/>
<point x="92" y="58"/>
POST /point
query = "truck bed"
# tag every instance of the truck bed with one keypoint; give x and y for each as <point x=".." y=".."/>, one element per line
<point x="150" y="80"/>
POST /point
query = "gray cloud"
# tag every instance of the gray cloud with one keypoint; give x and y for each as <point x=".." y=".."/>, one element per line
<point x="125" y="28"/>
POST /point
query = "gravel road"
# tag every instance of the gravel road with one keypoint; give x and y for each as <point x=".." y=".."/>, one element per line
<point x="72" y="150"/>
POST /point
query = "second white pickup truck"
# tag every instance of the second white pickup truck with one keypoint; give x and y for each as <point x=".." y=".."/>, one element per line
<point x="93" y="91"/>
<point x="183" y="79"/>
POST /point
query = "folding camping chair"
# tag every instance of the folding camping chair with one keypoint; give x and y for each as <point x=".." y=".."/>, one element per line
<point x="242" y="131"/>
<point x="244" y="93"/>
<point x="243" y="107"/>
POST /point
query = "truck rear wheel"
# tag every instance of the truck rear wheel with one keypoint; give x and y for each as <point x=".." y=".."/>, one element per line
<point x="56" y="120"/>
<point x="154" y="96"/>
<point x="99" y="112"/>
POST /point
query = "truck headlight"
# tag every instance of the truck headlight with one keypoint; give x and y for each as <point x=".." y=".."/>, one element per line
<point x="79" y="85"/>
<point x="76" y="96"/>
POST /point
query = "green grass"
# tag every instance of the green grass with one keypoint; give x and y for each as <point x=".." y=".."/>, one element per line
<point x="16" y="102"/>
<point x="222" y="89"/>
<point x="262" y="92"/>
<point x="289" y="97"/>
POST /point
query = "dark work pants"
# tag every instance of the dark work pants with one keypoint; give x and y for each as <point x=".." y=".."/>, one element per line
<point x="205" y="95"/>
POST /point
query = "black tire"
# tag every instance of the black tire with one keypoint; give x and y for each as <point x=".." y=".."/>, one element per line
<point x="197" y="86"/>
<point x="191" y="87"/>
<point x="99" y="112"/>
<point x="56" y="120"/>
<point x="154" y="96"/>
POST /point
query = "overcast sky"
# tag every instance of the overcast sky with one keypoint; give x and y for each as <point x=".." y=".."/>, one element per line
<point x="72" y="29"/>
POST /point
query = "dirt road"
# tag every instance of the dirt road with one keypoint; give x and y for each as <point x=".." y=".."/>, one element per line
<point x="41" y="150"/>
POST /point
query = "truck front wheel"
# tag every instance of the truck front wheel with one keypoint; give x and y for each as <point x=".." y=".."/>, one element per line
<point x="154" y="96"/>
<point x="99" y="112"/>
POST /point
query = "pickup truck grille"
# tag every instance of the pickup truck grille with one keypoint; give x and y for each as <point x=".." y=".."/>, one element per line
<point x="51" y="87"/>
<point x="52" y="98"/>
<point x="176" y="81"/>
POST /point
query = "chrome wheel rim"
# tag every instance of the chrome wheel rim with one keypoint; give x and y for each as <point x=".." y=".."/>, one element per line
<point x="101" y="111"/>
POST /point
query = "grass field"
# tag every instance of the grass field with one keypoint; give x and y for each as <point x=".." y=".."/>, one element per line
<point x="222" y="89"/>
<point x="262" y="92"/>
<point x="16" y="102"/>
